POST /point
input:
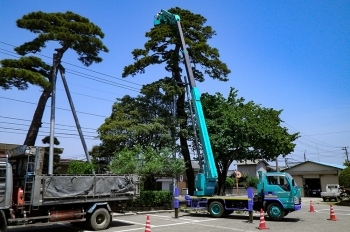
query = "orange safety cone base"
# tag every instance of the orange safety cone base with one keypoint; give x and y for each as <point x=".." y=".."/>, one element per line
<point x="148" y="224"/>
<point x="262" y="224"/>
<point x="332" y="214"/>
<point x="312" y="209"/>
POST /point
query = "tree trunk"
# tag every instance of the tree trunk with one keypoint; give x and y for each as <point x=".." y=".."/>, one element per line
<point x="184" y="146"/>
<point x="38" y="115"/>
<point x="222" y="173"/>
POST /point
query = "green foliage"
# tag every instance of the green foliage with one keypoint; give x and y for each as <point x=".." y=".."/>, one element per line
<point x="70" y="31"/>
<point x="18" y="73"/>
<point x="159" y="49"/>
<point x="79" y="167"/>
<point x="253" y="181"/>
<point x="346" y="163"/>
<point x="344" y="178"/>
<point x="242" y="130"/>
<point x="153" y="198"/>
<point x="143" y="120"/>
<point x="163" y="48"/>
<point x="229" y="182"/>
<point x="147" y="161"/>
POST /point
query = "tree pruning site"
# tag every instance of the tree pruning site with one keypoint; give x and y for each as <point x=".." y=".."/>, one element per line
<point x="156" y="134"/>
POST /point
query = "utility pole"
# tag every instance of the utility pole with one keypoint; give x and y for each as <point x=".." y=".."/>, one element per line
<point x="346" y="153"/>
<point x="277" y="170"/>
<point x="52" y="119"/>
<point x="304" y="156"/>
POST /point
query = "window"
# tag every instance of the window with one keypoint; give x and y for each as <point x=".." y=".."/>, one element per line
<point x="281" y="181"/>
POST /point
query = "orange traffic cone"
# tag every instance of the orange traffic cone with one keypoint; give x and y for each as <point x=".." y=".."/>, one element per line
<point x="262" y="224"/>
<point x="312" y="209"/>
<point x="148" y="224"/>
<point x="332" y="216"/>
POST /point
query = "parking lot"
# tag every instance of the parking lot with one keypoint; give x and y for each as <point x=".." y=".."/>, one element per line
<point x="302" y="220"/>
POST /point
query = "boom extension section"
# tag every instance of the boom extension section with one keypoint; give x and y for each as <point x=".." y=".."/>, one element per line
<point x="206" y="179"/>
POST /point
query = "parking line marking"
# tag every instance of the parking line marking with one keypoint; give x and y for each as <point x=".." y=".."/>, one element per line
<point x="193" y="222"/>
<point x="130" y="222"/>
<point x="181" y="218"/>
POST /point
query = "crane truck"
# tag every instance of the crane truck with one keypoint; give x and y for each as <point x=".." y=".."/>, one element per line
<point x="30" y="198"/>
<point x="277" y="192"/>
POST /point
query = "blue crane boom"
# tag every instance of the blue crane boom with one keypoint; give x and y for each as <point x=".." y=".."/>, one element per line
<point x="206" y="178"/>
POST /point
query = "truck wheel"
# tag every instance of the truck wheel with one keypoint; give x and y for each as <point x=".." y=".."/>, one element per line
<point x="216" y="209"/>
<point x="99" y="219"/>
<point x="3" y="223"/>
<point x="275" y="211"/>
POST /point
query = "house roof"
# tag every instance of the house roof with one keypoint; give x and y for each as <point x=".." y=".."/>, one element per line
<point x="250" y="162"/>
<point x="338" y="166"/>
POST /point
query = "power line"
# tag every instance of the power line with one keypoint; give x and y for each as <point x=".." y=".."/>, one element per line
<point x="94" y="78"/>
<point x="337" y="132"/>
<point x="12" y="99"/>
<point x="19" y="129"/>
<point x="28" y="120"/>
<point x="107" y="75"/>
<point x="57" y="128"/>
<point x="12" y="132"/>
<point x="310" y="139"/>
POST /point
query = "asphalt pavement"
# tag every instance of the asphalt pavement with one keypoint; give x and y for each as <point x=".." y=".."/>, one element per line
<point x="302" y="220"/>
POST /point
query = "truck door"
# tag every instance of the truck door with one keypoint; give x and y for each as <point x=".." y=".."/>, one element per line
<point x="280" y="187"/>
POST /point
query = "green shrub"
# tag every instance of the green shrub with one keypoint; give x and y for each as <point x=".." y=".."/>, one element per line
<point x="79" y="167"/>
<point x="344" y="178"/>
<point x="229" y="183"/>
<point x="253" y="181"/>
<point x="153" y="198"/>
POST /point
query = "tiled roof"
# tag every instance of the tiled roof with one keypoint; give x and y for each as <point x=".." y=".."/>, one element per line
<point x="330" y="165"/>
<point x="322" y="163"/>
<point x="249" y="162"/>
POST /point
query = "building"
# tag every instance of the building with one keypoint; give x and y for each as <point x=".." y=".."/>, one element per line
<point x="252" y="167"/>
<point x="314" y="176"/>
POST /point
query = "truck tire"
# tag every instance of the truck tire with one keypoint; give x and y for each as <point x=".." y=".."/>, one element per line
<point x="3" y="222"/>
<point x="99" y="219"/>
<point x="275" y="211"/>
<point x="216" y="209"/>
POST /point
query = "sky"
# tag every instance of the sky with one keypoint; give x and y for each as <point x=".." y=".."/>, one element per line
<point x="288" y="55"/>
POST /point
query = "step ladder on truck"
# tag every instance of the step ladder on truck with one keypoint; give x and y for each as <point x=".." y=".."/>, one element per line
<point x="276" y="198"/>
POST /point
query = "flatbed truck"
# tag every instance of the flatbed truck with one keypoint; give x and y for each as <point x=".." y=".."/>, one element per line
<point x="277" y="198"/>
<point x="30" y="198"/>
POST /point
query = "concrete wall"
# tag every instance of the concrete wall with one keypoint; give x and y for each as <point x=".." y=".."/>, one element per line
<point x="252" y="169"/>
<point x="328" y="179"/>
<point x="249" y="169"/>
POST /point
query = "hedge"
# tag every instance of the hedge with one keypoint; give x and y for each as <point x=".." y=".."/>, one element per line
<point x="153" y="198"/>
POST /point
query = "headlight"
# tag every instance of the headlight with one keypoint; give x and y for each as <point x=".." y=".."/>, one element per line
<point x="296" y="200"/>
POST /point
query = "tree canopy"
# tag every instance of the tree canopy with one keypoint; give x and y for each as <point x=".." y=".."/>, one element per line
<point x="147" y="162"/>
<point x="242" y="130"/>
<point x="70" y="31"/>
<point x="163" y="48"/>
